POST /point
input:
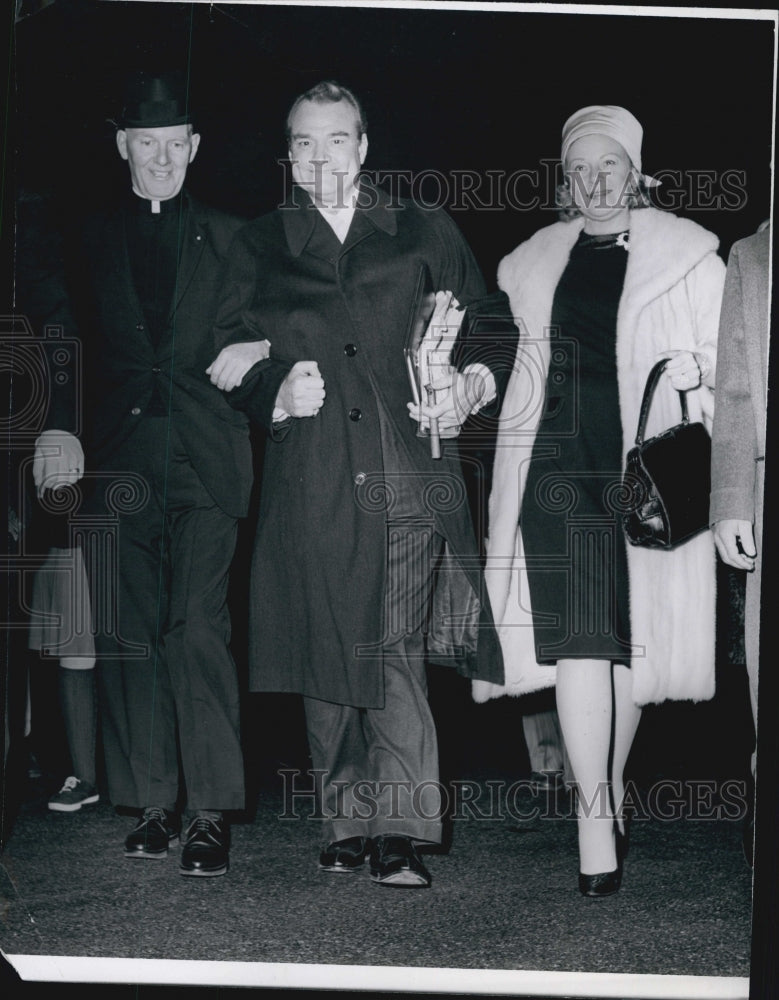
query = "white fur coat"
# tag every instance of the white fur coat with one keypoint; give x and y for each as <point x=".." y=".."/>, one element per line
<point x="670" y="300"/>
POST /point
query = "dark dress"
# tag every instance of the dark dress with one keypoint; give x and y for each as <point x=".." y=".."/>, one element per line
<point x="573" y="538"/>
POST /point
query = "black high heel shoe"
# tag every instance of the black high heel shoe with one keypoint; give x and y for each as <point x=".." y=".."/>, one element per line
<point x="600" y="885"/>
<point x="607" y="883"/>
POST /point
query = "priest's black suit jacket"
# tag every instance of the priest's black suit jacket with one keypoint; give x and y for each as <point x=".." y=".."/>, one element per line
<point x="126" y="373"/>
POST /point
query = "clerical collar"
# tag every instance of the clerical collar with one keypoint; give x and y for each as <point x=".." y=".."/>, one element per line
<point x="153" y="206"/>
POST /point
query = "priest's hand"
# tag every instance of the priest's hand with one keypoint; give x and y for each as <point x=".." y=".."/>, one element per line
<point x="302" y="392"/>
<point x="234" y="361"/>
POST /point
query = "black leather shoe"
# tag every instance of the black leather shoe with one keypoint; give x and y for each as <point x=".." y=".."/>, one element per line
<point x="154" y="834"/>
<point x="205" y="850"/>
<point x="394" y="861"/>
<point x="602" y="884"/>
<point x="344" y="855"/>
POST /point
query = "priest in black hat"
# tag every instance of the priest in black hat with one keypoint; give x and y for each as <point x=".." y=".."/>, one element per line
<point x="172" y="469"/>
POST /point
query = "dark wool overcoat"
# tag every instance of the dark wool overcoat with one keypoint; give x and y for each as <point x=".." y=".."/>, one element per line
<point x="319" y="564"/>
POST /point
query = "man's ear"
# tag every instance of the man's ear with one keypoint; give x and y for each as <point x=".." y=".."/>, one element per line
<point x="195" y="142"/>
<point x="121" y="143"/>
<point x="363" y="147"/>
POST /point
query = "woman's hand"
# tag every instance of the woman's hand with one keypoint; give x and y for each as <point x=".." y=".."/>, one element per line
<point x="682" y="369"/>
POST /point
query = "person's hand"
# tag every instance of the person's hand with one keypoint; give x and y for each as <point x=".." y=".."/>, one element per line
<point x="682" y="369"/>
<point x="457" y="396"/>
<point x="302" y="392"/>
<point x="735" y="541"/>
<point x="58" y="461"/>
<point x="234" y="361"/>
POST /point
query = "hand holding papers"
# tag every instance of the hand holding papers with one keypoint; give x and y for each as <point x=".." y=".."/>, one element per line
<point x="434" y="324"/>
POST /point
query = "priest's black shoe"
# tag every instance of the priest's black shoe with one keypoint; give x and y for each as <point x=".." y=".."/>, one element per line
<point x="395" y="862"/>
<point x="344" y="855"/>
<point x="602" y="884"/>
<point x="205" y="850"/>
<point x="156" y="831"/>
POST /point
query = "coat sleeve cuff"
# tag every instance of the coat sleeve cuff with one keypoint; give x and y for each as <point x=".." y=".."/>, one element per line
<point x="256" y="395"/>
<point x="731" y="503"/>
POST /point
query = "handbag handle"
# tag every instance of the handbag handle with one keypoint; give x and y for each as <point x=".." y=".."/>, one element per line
<point x="651" y="382"/>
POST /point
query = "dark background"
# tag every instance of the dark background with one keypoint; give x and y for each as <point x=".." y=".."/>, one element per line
<point x="443" y="91"/>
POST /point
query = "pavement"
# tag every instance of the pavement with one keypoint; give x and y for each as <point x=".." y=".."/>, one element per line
<point x="504" y="893"/>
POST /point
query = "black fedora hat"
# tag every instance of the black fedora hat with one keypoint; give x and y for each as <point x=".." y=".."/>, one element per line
<point x="154" y="101"/>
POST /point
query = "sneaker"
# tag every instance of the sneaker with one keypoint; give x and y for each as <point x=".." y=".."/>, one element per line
<point x="74" y="794"/>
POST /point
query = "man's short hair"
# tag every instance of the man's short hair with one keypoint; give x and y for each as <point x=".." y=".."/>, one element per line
<point x="329" y="92"/>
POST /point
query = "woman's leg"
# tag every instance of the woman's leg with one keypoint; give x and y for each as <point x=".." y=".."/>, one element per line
<point x="584" y="705"/>
<point x="627" y="716"/>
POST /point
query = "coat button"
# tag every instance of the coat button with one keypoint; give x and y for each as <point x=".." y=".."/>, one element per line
<point x="360" y="478"/>
<point x="350" y="350"/>
<point x="135" y="411"/>
<point x="156" y="371"/>
<point x="355" y="414"/>
<point x="139" y="326"/>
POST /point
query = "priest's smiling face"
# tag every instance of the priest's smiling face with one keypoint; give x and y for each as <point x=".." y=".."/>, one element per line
<point x="158" y="158"/>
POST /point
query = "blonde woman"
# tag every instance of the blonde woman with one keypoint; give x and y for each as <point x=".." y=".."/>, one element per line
<point x="599" y="296"/>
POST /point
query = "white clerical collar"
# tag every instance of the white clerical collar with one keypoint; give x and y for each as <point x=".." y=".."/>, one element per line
<point x="154" y="202"/>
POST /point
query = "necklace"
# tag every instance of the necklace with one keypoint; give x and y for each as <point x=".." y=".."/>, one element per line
<point x="605" y="241"/>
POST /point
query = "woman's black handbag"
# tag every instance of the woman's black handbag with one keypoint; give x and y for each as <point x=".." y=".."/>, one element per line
<point x="667" y="479"/>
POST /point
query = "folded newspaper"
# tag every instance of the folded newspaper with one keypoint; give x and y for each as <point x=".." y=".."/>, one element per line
<point x="434" y="323"/>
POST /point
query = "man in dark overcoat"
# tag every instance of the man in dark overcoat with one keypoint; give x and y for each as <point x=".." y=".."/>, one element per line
<point x="365" y="559"/>
<point x="171" y="471"/>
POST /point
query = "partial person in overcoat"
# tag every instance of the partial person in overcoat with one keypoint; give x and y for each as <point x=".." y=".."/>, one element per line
<point x="739" y="435"/>
<point x="359" y="529"/>
<point x="169" y="464"/>
<point x="599" y="297"/>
